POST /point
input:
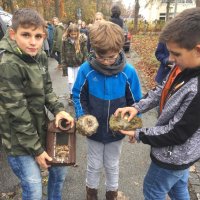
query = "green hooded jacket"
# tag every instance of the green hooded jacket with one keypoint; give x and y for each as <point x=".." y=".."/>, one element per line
<point x="57" y="38"/>
<point x="25" y="92"/>
<point x="69" y="57"/>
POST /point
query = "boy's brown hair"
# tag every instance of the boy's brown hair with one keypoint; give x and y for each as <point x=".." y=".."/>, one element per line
<point x="183" y="30"/>
<point x="26" y="18"/>
<point x="106" y="36"/>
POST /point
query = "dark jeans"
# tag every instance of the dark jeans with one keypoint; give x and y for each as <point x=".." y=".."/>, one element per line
<point x="57" y="56"/>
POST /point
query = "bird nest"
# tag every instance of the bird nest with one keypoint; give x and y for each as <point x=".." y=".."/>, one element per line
<point x="87" y="125"/>
<point x="118" y="123"/>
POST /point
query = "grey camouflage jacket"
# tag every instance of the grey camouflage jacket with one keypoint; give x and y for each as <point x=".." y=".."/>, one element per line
<point x="175" y="138"/>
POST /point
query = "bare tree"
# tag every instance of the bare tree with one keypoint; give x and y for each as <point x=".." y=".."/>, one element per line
<point x="136" y="15"/>
<point x="57" y="10"/>
<point x="197" y="3"/>
<point x="168" y="2"/>
<point x="168" y="9"/>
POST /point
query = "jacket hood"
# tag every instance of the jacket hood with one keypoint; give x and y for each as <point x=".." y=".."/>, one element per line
<point x="11" y="46"/>
<point x="60" y="25"/>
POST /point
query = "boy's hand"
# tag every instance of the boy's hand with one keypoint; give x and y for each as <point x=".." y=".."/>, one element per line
<point x="64" y="115"/>
<point x="42" y="158"/>
<point x="131" y="135"/>
<point x="132" y="139"/>
<point x="131" y="110"/>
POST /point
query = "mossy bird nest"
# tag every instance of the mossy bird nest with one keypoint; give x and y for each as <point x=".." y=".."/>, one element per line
<point x="118" y="123"/>
<point x="87" y="125"/>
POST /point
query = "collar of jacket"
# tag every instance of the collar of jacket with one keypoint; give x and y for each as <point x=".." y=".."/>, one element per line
<point x="25" y="57"/>
<point x="186" y="75"/>
<point x="114" y="69"/>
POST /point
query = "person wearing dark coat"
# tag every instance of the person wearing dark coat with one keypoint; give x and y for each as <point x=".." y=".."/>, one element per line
<point x="115" y="16"/>
<point x="50" y="30"/>
<point x="162" y="55"/>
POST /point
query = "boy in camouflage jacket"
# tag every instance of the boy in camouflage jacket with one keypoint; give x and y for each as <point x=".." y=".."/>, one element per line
<point x="26" y="90"/>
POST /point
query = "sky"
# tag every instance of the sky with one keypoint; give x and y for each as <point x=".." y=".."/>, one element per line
<point x="132" y="2"/>
<point x="128" y="2"/>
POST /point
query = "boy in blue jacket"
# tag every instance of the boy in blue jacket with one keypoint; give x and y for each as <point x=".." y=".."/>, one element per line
<point x="104" y="83"/>
<point x="174" y="140"/>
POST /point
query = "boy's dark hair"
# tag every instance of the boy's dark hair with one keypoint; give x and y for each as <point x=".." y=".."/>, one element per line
<point x="26" y="18"/>
<point x="183" y="30"/>
<point x="106" y="36"/>
<point x="115" y="10"/>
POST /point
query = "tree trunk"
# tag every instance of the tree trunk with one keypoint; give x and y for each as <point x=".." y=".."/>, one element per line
<point x="57" y="6"/>
<point x="25" y="3"/>
<point x="62" y="8"/>
<point x="167" y="10"/>
<point x="197" y="3"/>
<point x="45" y="7"/>
<point x="137" y="8"/>
<point x="97" y="5"/>
<point x="36" y="5"/>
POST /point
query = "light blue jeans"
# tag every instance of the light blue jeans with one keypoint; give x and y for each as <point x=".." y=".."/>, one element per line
<point x="103" y="155"/>
<point x="28" y="171"/>
<point x="159" y="182"/>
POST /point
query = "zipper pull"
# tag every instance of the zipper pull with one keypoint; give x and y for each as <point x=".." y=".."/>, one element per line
<point x="169" y="151"/>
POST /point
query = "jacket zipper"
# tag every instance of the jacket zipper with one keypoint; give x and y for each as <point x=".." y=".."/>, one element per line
<point x="176" y="87"/>
<point x="108" y="116"/>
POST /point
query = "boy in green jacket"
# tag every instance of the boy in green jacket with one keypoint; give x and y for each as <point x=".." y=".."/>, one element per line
<point x="26" y="90"/>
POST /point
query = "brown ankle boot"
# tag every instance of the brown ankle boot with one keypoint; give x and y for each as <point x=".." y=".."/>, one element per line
<point x="91" y="193"/>
<point x="111" y="195"/>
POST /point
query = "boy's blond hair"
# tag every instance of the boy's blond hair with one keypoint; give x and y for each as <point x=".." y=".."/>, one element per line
<point x="98" y="14"/>
<point x="106" y="36"/>
<point x="26" y="18"/>
<point x="183" y="30"/>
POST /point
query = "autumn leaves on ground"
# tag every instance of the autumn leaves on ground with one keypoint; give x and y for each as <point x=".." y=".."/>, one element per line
<point x="145" y="46"/>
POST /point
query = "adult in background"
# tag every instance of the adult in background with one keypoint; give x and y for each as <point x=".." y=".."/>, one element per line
<point x="50" y="30"/>
<point x="115" y="16"/>
<point x="57" y="41"/>
<point x="162" y="55"/>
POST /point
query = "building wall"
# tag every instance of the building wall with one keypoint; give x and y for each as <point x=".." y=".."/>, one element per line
<point x="157" y="9"/>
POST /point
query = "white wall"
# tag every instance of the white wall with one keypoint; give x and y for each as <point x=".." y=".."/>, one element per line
<point x="152" y="11"/>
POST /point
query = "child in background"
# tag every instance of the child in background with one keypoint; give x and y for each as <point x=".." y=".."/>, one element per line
<point x="175" y="138"/>
<point x="98" y="17"/>
<point x="26" y="92"/>
<point x="74" y="53"/>
<point x="104" y="83"/>
<point x="57" y="41"/>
